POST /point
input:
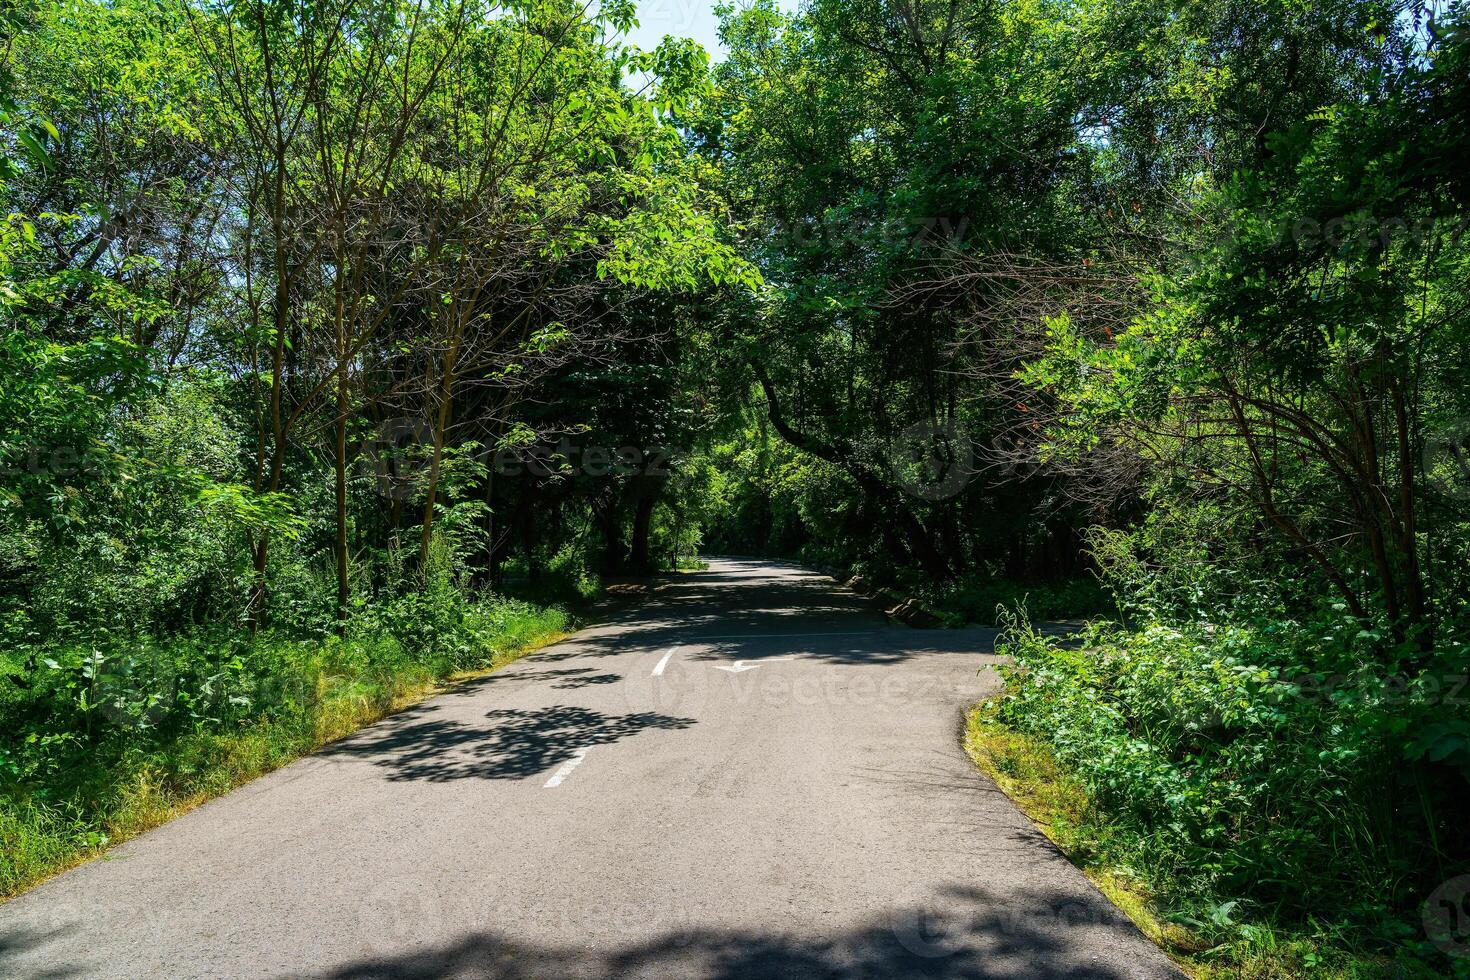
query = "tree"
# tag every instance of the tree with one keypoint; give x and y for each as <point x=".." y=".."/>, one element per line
<point x="869" y="146"/>
<point x="1304" y="361"/>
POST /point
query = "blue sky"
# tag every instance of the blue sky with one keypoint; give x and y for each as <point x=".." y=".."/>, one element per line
<point x="682" y="18"/>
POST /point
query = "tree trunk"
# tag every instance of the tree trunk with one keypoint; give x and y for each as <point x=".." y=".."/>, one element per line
<point x="642" y="556"/>
<point x="612" y="535"/>
<point x="441" y="430"/>
<point x="527" y="517"/>
<point x="343" y="585"/>
<point x="930" y="560"/>
<point x="281" y="321"/>
<point x="260" y="554"/>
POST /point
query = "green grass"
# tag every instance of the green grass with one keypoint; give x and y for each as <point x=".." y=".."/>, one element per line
<point x="1028" y="771"/>
<point x="79" y="781"/>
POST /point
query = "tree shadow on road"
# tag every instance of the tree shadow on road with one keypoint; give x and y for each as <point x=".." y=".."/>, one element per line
<point x="963" y="932"/>
<point x="16" y="941"/>
<point x="1017" y="932"/>
<point x="512" y="744"/>
<point x="589" y="680"/>
<point x="518" y="675"/>
<point x="740" y="597"/>
<point x="740" y="609"/>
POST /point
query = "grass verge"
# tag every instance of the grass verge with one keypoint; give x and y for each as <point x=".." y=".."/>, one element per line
<point x="1029" y="773"/>
<point x="119" y="784"/>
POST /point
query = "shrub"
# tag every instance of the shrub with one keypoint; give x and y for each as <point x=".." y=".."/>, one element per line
<point x="979" y="599"/>
<point x="1266" y="769"/>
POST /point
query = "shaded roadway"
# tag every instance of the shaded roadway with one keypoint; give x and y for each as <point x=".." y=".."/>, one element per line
<point x="749" y="775"/>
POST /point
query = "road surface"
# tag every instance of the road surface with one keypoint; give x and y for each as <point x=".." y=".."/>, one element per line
<point x="750" y="775"/>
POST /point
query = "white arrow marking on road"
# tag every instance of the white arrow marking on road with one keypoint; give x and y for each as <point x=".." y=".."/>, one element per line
<point x="561" y="774"/>
<point x="659" y="670"/>
<point x="742" y="665"/>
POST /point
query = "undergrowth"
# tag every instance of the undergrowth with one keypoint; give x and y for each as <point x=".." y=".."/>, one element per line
<point x="107" y="740"/>
<point x="1267" y="801"/>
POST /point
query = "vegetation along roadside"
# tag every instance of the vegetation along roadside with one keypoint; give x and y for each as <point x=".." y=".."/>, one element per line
<point x="117" y="738"/>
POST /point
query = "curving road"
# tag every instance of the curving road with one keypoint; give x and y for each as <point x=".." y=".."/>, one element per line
<point x="750" y="775"/>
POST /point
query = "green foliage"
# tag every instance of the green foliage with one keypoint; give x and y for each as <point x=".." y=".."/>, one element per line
<point x="322" y="328"/>
<point x="944" y="132"/>
<point x="1265" y="770"/>
<point x="107" y="737"/>
<point x="986" y="600"/>
<point x="151" y="501"/>
<point x="762" y="497"/>
<point x="1300" y="364"/>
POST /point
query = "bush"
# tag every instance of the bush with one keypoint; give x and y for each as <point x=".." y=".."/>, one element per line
<point x="1267" y="770"/>
<point x="980" y="599"/>
<point x="152" y="550"/>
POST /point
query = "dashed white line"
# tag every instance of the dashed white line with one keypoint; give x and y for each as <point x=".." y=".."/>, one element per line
<point x="560" y="776"/>
<point x="659" y="670"/>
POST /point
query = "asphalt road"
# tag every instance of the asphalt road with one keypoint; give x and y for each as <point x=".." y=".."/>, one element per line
<point x="749" y="775"/>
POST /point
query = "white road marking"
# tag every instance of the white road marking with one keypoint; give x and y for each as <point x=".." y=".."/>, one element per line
<point x="560" y="776"/>
<point x="742" y="665"/>
<point x="659" y="670"/>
